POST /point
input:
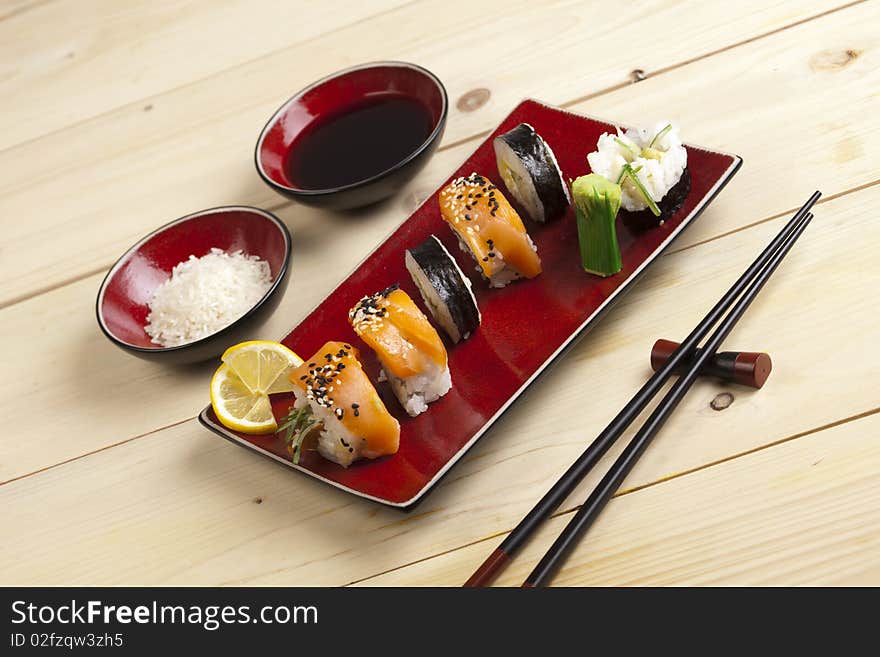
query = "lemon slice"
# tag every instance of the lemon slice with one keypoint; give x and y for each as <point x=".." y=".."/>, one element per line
<point x="240" y="388"/>
<point x="262" y="365"/>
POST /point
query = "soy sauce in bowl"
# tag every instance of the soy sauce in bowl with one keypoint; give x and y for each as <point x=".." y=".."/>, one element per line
<point x="358" y="141"/>
<point x="354" y="137"/>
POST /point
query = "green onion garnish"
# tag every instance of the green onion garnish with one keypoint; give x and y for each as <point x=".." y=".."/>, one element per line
<point x="623" y="172"/>
<point x="644" y="192"/>
<point x="660" y="135"/>
<point x="628" y="147"/>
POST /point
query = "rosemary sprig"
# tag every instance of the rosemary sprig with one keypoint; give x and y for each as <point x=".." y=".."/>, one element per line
<point x="296" y="426"/>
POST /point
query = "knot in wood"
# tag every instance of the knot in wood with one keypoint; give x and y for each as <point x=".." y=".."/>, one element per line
<point x="473" y="100"/>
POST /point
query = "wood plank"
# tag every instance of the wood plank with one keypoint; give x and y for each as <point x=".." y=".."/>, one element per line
<point x="794" y="106"/>
<point x="72" y="341"/>
<point x="137" y="169"/>
<point x="11" y="8"/>
<point x="803" y="513"/>
<point x="177" y="506"/>
<point x="70" y="60"/>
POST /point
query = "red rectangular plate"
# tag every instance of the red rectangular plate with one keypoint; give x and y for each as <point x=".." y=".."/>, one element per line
<point x="526" y="326"/>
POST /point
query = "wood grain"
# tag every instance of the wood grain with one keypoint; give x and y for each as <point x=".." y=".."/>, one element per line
<point x="806" y="512"/>
<point x="193" y="148"/>
<point x="793" y="106"/>
<point x="180" y="505"/>
<point x="70" y="60"/>
<point x="761" y="186"/>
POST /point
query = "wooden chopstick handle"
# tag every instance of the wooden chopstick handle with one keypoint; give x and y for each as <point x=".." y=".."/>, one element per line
<point x="484" y="575"/>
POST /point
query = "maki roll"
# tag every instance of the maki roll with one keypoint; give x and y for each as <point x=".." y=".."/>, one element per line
<point x="335" y="398"/>
<point x="531" y="174"/>
<point x="444" y="288"/>
<point x="489" y="229"/>
<point x="411" y="352"/>
<point x="649" y="165"/>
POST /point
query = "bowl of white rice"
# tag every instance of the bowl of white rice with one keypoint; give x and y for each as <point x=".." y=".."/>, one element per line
<point x="192" y="288"/>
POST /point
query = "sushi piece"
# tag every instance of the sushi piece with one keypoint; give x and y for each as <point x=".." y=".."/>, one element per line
<point x="489" y="229"/>
<point x="531" y="174"/>
<point x="596" y="203"/>
<point x="444" y="288"/>
<point x="335" y="398"/>
<point x="411" y="352"/>
<point x="648" y="165"/>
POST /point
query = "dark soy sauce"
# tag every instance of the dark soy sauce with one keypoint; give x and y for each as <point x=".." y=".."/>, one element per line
<point x="360" y="140"/>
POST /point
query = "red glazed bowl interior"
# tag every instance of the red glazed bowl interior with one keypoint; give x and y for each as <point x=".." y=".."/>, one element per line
<point x="122" y="300"/>
<point x="337" y="91"/>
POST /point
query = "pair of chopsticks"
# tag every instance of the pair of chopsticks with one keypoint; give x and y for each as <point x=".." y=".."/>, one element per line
<point x="736" y="300"/>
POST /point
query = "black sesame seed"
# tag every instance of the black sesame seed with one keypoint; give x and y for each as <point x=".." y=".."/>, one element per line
<point x="355" y="405"/>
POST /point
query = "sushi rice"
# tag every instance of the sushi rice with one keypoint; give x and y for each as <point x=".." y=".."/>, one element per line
<point x="413" y="357"/>
<point x="334" y="440"/>
<point x="417" y="391"/>
<point x="659" y="166"/>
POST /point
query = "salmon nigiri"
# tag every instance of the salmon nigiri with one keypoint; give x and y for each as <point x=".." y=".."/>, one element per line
<point x="335" y="398"/>
<point x="411" y="352"/>
<point x="489" y="229"/>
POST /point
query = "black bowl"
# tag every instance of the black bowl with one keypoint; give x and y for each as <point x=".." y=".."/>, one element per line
<point x="327" y="97"/>
<point x="122" y="299"/>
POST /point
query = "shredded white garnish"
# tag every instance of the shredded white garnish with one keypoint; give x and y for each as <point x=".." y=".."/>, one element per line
<point x="205" y="295"/>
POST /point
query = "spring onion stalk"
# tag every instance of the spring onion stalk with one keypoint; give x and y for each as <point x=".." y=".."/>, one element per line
<point x="631" y="173"/>
<point x="660" y="135"/>
<point x="627" y="146"/>
<point x="625" y="170"/>
<point x="596" y="203"/>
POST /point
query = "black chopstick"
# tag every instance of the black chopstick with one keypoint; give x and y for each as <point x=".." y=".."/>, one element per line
<point x="585" y="462"/>
<point x="586" y="515"/>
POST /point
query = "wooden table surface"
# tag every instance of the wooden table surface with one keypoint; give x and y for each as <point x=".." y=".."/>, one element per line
<point x="120" y="116"/>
